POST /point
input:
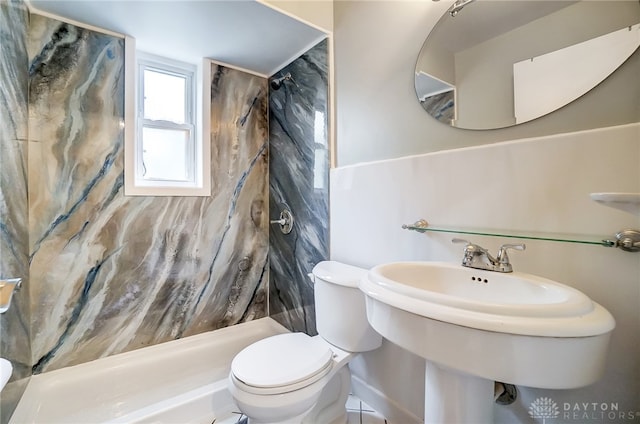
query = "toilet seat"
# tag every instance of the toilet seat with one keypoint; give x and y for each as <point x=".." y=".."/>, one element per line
<point x="281" y="364"/>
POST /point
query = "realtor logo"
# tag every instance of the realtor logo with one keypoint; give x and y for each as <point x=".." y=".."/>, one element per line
<point x="544" y="408"/>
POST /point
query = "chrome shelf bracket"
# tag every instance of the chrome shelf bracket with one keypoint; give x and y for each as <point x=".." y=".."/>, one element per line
<point x="627" y="240"/>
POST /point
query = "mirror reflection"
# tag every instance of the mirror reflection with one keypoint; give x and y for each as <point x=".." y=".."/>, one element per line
<point x="493" y="64"/>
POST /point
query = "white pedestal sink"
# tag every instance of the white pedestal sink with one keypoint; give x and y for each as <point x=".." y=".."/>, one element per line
<point x="475" y="327"/>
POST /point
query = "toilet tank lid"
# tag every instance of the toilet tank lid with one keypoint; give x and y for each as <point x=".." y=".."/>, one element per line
<point x="339" y="273"/>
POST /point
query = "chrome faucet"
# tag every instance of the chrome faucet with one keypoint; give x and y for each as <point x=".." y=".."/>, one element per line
<point x="478" y="257"/>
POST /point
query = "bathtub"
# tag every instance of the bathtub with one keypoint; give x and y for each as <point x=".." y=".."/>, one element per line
<point x="182" y="381"/>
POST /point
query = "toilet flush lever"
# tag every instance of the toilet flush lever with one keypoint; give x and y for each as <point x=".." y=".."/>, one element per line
<point x="285" y="221"/>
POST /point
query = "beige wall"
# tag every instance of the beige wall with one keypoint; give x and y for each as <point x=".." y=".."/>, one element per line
<point x="541" y="184"/>
<point x="485" y="71"/>
<point x="378" y="116"/>
<point x="526" y="186"/>
<point x="317" y="13"/>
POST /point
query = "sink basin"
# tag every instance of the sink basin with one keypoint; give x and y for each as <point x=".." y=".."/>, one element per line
<point x="515" y="302"/>
<point x="474" y="327"/>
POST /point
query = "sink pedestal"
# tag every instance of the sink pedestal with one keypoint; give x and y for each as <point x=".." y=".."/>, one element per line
<point x="474" y="327"/>
<point x="454" y="397"/>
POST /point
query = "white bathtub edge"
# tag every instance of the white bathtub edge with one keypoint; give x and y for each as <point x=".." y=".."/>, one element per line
<point x="40" y="405"/>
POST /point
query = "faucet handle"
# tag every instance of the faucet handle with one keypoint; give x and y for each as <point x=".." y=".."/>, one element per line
<point x="470" y="247"/>
<point x="459" y="240"/>
<point x="502" y="257"/>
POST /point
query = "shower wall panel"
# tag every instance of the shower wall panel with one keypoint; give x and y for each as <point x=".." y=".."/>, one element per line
<point x="112" y="273"/>
<point x="299" y="181"/>
<point x="14" y="235"/>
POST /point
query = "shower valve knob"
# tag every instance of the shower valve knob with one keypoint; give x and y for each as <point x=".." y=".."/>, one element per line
<point x="285" y="222"/>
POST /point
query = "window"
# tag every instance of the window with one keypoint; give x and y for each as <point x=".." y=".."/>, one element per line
<point x="164" y="150"/>
<point x="165" y="124"/>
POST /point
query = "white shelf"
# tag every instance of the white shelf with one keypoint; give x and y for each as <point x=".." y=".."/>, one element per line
<point x="628" y="202"/>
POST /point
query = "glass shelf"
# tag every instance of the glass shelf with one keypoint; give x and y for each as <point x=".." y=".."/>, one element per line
<point x="528" y="235"/>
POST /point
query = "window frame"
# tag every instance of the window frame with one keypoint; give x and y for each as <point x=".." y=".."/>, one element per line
<point x="165" y="66"/>
<point x="197" y="107"/>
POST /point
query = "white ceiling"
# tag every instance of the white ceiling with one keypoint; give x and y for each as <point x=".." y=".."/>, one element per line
<point x="242" y="33"/>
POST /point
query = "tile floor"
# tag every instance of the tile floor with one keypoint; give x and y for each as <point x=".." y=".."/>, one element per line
<point x="358" y="412"/>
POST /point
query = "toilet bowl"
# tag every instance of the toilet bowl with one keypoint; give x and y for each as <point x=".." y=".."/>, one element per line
<point x="281" y="378"/>
<point x="296" y="378"/>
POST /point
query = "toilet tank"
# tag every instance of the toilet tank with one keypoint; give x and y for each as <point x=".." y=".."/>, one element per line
<point x="341" y="316"/>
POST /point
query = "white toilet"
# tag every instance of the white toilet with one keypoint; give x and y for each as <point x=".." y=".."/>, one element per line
<point x="295" y="378"/>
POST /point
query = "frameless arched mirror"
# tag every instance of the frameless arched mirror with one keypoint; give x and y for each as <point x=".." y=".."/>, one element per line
<point x="493" y="64"/>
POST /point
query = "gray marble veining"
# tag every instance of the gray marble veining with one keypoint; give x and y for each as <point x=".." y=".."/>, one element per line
<point x="14" y="236"/>
<point x="298" y="168"/>
<point x="441" y="106"/>
<point x="112" y="273"/>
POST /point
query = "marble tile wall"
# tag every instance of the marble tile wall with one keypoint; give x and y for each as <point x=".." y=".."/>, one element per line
<point x="14" y="236"/>
<point x="299" y="181"/>
<point x="440" y="106"/>
<point x="112" y="273"/>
